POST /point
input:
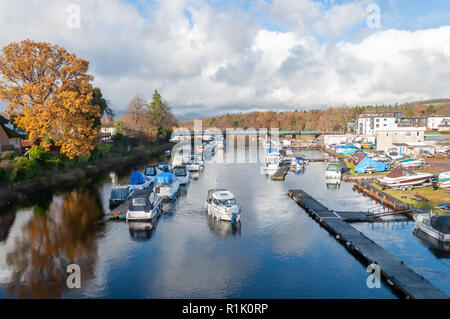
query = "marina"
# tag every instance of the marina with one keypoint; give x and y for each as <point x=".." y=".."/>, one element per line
<point x="270" y="240"/>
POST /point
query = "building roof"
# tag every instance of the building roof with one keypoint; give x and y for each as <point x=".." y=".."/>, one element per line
<point x="9" y="132"/>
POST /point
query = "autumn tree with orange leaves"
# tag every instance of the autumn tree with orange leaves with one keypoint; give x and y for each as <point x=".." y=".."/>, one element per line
<point x="49" y="92"/>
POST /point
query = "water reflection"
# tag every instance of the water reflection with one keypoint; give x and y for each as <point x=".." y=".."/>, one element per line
<point x="437" y="248"/>
<point x="223" y="228"/>
<point x="6" y="221"/>
<point x="141" y="230"/>
<point x="53" y="238"/>
<point x="333" y="184"/>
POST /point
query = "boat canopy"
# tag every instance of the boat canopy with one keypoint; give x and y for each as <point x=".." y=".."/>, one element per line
<point x="137" y="178"/>
<point x="164" y="178"/>
<point x="150" y="171"/>
<point x="361" y="168"/>
<point x="441" y="223"/>
<point x="142" y="200"/>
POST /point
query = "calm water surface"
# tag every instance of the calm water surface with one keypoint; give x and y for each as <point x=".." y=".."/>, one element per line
<point x="277" y="252"/>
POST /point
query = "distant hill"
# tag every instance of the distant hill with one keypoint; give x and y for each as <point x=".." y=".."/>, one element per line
<point x="331" y="119"/>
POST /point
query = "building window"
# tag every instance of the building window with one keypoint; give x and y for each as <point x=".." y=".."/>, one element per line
<point x="378" y="125"/>
<point x="408" y="133"/>
<point x="417" y="133"/>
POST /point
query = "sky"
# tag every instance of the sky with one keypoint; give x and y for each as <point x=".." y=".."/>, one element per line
<point x="216" y="56"/>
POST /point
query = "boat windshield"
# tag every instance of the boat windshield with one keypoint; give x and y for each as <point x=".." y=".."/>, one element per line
<point x="179" y="171"/>
<point x="225" y="202"/>
<point x="333" y="167"/>
<point x="408" y="173"/>
<point x="138" y="201"/>
<point x="150" y="171"/>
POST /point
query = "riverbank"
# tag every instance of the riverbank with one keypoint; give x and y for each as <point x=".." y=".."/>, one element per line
<point x="22" y="190"/>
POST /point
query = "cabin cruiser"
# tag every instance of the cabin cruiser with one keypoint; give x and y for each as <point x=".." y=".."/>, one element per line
<point x="119" y="195"/>
<point x="193" y="165"/>
<point x="393" y="154"/>
<point x="144" y="205"/>
<point x="182" y="174"/>
<point x="333" y="170"/>
<point x="150" y="172"/>
<point x="139" y="181"/>
<point x="221" y="204"/>
<point x="436" y="226"/>
<point x="272" y="161"/>
<point x="333" y="184"/>
<point x="401" y="177"/>
<point x="444" y="180"/>
<point x="166" y="185"/>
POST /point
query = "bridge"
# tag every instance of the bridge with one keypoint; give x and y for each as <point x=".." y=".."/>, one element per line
<point x="250" y="132"/>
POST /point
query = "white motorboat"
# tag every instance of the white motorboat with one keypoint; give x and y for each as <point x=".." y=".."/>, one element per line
<point x="333" y="171"/>
<point x="444" y="180"/>
<point x="138" y="181"/>
<point x="412" y="163"/>
<point x="144" y="205"/>
<point x="272" y="163"/>
<point x="166" y="185"/>
<point x="401" y="177"/>
<point x="222" y="205"/>
<point x="393" y="154"/>
<point x="182" y="174"/>
<point x="436" y="226"/>
<point x="193" y="164"/>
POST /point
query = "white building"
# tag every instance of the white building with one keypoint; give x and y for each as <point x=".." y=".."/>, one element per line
<point x="107" y="132"/>
<point x="435" y="121"/>
<point x="387" y="138"/>
<point x="371" y="123"/>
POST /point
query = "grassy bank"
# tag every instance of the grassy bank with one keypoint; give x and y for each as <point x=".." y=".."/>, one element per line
<point x="54" y="178"/>
<point x="423" y="197"/>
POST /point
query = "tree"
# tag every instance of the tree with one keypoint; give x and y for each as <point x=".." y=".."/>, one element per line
<point x="160" y="116"/>
<point x="430" y="109"/>
<point x="98" y="99"/>
<point x="50" y="93"/>
<point x="409" y="112"/>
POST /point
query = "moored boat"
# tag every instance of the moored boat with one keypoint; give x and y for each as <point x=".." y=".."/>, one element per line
<point x="401" y="177"/>
<point x="221" y="204"/>
<point x="182" y="174"/>
<point x="138" y="181"/>
<point x="150" y="172"/>
<point x="166" y="185"/>
<point x="333" y="170"/>
<point x="444" y="180"/>
<point x="119" y="195"/>
<point x="436" y="226"/>
<point x="144" y="205"/>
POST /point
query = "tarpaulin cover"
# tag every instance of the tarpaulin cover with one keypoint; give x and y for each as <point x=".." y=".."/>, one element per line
<point x="137" y="178"/>
<point x="348" y="151"/>
<point x="345" y="146"/>
<point x="164" y="178"/>
<point x="300" y="160"/>
<point x="366" y="162"/>
<point x="273" y="150"/>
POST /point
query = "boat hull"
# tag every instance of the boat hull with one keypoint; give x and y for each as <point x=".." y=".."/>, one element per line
<point x="430" y="231"/>
<point x="142" y="215"/>
<point x="221" y="215"/>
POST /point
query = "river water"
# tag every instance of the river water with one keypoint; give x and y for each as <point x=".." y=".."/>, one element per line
<point x="277" y="252"/>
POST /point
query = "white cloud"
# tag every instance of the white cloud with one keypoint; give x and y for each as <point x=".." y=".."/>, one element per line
<point x="217" y="60"/>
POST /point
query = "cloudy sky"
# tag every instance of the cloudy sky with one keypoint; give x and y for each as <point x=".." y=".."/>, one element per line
<point x="215" y="56"/>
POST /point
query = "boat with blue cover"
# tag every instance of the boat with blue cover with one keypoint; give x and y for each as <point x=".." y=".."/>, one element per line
<point x="166" y="185"/>
<point x="138" y="181"/>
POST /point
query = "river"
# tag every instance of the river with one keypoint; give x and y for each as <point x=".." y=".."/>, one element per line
<point x="277" y="252"/>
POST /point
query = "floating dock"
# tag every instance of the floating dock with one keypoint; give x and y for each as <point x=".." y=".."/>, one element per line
<point x="280" y="175"/>
<point x="118" y="213"/>
<point x="402" y="279"/>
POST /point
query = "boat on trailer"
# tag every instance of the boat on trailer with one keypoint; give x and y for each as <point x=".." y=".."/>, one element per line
<point x="436" y="226"/>
<point x="402" y="178"/>
<point x="222" y="205"/>
<point x="144" y="205"/>
<point x="444" y="180"/>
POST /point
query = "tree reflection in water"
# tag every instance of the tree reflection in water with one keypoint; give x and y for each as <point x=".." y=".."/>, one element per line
<point x="65" y="234"/>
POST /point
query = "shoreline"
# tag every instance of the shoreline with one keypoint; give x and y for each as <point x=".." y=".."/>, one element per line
<point x="67" y="177"/>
